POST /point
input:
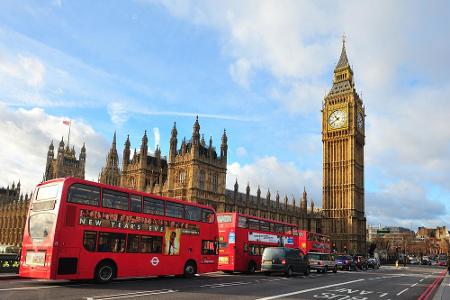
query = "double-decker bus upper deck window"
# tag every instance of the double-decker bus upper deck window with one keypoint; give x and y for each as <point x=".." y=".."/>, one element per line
<point x="174" y="210"/>
<point x="84" y="194"/>
<point x="114" y="199"/>
<point x="224" y="219"/>
<point x="207" y="215"/>
<point x="47" y="192"/>
<point x="265" y="226"/>
<point x="136" y="203"/>
<point x="253" y="224"/>
<point x="242" y="222"/>
<point x="288" y="229"/>
<point x="279" y="228"/>
<point x="193" y="213"/>
<point x="153" y="206"/>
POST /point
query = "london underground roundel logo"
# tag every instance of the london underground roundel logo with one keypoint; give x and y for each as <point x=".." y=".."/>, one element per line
<point x="155" y="261"/>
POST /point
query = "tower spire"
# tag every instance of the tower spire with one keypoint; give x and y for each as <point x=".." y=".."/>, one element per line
<point x="343" y="59"/>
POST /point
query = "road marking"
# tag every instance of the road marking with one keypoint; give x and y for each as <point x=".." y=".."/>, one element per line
<point x="219" y="285"/>
<point x="398" y="294"/>
<point x="421" y="280"/>
<point x="129" y="295"/>
<point x="309" y="290"/>
<point x="414" y="284"/>
<point x="27" y="288"/>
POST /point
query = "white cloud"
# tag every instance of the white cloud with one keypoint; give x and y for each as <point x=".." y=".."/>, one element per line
<point x="240" y="70"/>
<point x="269" y="173"/>
<point x="27" y="69"/>
<point x="406" y="204"/>
<point x="157" y="136"/>
<point x="118" y="113"/>
<point x="29" y="133"/>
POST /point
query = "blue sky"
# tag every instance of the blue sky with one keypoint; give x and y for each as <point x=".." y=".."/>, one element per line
<point x="260" y="69"/>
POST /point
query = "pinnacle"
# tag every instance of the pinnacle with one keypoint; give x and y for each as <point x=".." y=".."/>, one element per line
<point x="343" y="60"/>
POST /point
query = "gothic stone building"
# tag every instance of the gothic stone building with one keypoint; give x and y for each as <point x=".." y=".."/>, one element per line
<point x="65" y="164"/>
<point x="195" y="172"/>
<point x="13" y="214"/>
<point x="343" y="138"/>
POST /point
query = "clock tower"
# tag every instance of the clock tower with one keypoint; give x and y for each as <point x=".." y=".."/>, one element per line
<point x="343" y="121"/>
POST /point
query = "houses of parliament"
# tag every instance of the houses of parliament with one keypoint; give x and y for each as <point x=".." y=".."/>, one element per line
<point x="195" y="171"/>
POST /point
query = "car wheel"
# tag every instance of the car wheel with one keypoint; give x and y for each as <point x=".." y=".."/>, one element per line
<point x="325" y="270"/>
<point x="335" y="269"/>
<point x="306" y="271"/>
<point x="289" y="272"/>
<point x="267" y="273"/>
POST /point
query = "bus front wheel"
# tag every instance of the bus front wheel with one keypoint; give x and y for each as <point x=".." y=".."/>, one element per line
<point x="105" y="272"/>
<point x="190" y="269"/>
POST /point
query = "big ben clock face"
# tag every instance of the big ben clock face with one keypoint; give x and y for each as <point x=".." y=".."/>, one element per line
<point x="360" y="121"/>
<point x="337" y="119"/>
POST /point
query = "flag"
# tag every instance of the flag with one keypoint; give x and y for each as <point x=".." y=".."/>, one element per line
<point x="66" y="122"/>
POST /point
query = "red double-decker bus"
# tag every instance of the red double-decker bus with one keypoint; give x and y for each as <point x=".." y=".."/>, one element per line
<point x="77" y="229"/>
<point x="313" y="242"/>
<point x="242" y="239"/>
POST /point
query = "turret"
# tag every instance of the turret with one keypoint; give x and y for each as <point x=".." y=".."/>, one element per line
<point x="224" y="146"/>
<point x="173" y="143"/>
<point x="83" y="161"/>
<point x="268" y="198"/>
<point x="195" y="137"/>
<point x="236" y="186"/>
<point x="158" y="153"/>
<point x="277" y="199"/>
<point x="61" y="148"/>
<point x="258" y="196"/>
<point x="126" y="154"/>
<point x="304" y="202"/>
<point x="286" y="202"/>
<point x="144" y="150"/>
<point x="183" y="147"/>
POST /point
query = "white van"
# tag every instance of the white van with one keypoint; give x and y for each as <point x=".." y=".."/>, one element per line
<point x="322" y="262"/>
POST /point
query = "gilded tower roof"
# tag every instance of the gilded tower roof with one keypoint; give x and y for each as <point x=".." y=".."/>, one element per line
<point x="343" y="60"/>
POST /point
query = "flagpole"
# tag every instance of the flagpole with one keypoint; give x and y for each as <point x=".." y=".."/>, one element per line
<point x="68" y="137"/>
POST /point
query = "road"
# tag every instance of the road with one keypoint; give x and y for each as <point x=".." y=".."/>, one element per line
<point x="383" y="284"/>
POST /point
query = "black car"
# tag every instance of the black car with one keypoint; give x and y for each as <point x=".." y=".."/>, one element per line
<point x="373" y="263"/>
<point x="345" y="262"/>
<point x="285" y="260"/>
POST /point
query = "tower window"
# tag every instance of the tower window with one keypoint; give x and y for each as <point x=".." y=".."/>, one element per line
<point x="182" y="176"/>
<point x="214" y="182"/>
<point x="201" y="180"/>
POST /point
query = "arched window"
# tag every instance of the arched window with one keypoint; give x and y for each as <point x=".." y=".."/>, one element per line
<point x="182" y="176"/>
<point x="214" y="182"/>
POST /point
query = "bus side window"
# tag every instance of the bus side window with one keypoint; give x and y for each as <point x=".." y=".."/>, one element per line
<point x="114" y="199"/>
<point x="111" y="242"/>
<point x="150" y="244"/>
<point x="174" y="210"/>
<point x="136" y="203"/>
<point x="153" y="206"/>
<point x="90" y="240"/>
<point x="133" y="243"/>
<point x="210" y="248"/>
<point x="207" y="216"/>
<point x="193" y="213"/>
<point x="84" y="194"/>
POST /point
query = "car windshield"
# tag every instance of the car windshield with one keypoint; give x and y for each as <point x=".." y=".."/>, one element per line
<point x="270" y="253"/>
<point x="314" y="256"/>
<point x="341" y="257"/>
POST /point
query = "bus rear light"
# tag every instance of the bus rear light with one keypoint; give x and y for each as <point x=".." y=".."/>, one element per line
<point x="283" y="262"/>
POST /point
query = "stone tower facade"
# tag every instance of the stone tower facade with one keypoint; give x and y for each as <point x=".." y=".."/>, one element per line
<point x="143" y="172"/>
<point x="110" y="173"/>
<point x="195" y="171"/>
<point x="13" y="214"/>
<point x="65" y="164"/>
<point x="343" y="118"/>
